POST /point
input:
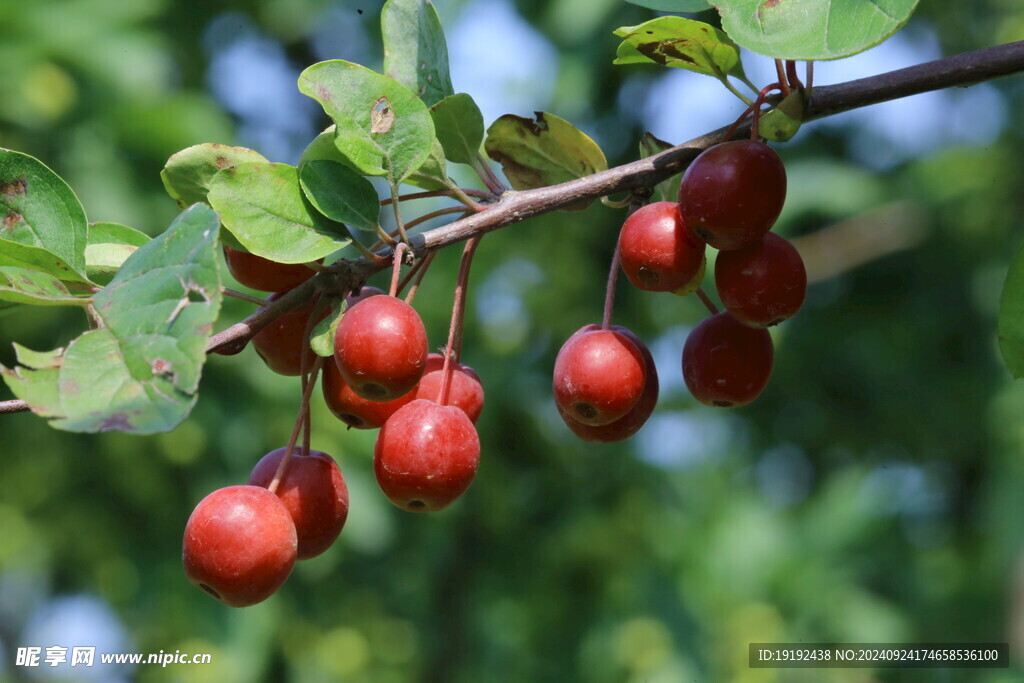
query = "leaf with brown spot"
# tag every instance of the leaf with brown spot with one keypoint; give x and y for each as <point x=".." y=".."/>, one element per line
<point x="544" y="151"/>
<point x="139" y="371"/>
<point x="679" y="42"/>
<point x="13" y="187"/>
<point x="39" y="211"/>
<point x="187" y="174"/>
<point x="353" y="96"/>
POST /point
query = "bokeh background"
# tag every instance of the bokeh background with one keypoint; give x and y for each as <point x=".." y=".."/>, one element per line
<point x="871" y="494"/>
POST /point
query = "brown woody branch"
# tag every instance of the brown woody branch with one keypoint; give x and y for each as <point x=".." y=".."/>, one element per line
<point x="960" y="70"/>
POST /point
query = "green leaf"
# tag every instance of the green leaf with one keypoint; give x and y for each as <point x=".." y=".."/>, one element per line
<point x="668" y="189"/>
<point x="115" y="233"/>
<point x="139" y="372"/>
<point x="38" y="209"/>
<point x="187" y="175"/>
<point x="40" y="386"/>
<point x="23" y="286"/>
<point x="415" y="53"/>
<point x="381" y="127"/>
<point x="341" y="194"/>
<point x="1011" y="317"/>
<point x="812" y="29"/>
<point x="109" y="245"/>
<point x="673" y="5"/>
<point x="39" y="360"/>
<point x="459" y="126"/>
<point x="433" y="174"/>
<point x="38" y="258"/>
<point x="541" y="152"/>
<point x="680" y="42"/>
<point x="323" y="149"/>
<point x="322" y="338"/>
<point x="263" y="206"/>
<point x="783" y="122"/>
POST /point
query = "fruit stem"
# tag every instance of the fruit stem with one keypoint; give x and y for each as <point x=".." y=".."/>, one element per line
<point x="707" y="301"/>
<point x="299" y="422"/>
<point x="451" y="209"/>
<point x="483" y="169"/>
<point x="434" y="214"/>
<point x="398" y="214"/>
<point x="761" y="96"/>
<point x="794" y="80"/>
<point x="465" y="195"/>
<point x="781" y="72"/>
<point x="609" y="294"/>
<point x="453" y="192"/>
<point x="736" y="123"/>
<point x="419" y="270"/>
<point x="307" y="334"/>
<point x="636" y="201"/>
<point x="454" y="349"/>
<point x="732" y="88"/>
<point x="243" y="296"/>
<point x="384" y="237"/>
<point x="397" y="267"/>
<point x="368" y="253"/>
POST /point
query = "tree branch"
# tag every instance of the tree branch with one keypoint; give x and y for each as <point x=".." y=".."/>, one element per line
<point x="958" y="71"/>
<point x="13" y="406"/>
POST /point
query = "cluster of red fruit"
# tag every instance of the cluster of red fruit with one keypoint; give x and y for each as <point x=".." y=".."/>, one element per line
<point x="605" y="384"/>
<point x="241" y="542"/>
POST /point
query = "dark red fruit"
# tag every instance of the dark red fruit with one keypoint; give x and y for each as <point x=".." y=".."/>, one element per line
<point x="763" y="284"/>
<point x="426" y="456"/>
<point x="732" y="193"/>
<point x="726" y="363"/>
<point x="631" y="422"/>
<point x="380" y="347"/>
<point x="599" y="376"/>
<point x="239" y="545"/>
<point x="263" y="274"/>
<point x="281" y="344"/>
<point x="353" y="410"/>
<point x="314" y="493"/>
<point x="656" y="251"/>
<point x="466" y="392"/>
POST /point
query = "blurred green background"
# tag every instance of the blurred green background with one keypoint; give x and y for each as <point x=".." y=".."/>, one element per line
<point x="871" y="494"/>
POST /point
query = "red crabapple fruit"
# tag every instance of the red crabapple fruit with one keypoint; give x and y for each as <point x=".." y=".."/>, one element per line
<point x="763" y="284"/>
<point x="354" y="410"/>
<point x="656" y="251"/>
<point x="239" y="545"/>
<point x="629" y="424"/>
<point x="426" y="456"/>
<point x="263" y="274"/>
<point x="732" y="193"/>
<point x="599" y="375"/>
<point x="281" y="344"/>
<point x="466" y="391"/>
<point x="380" y="348"/>
<point x="726" y="363"/>
<point x="314" y="492"/>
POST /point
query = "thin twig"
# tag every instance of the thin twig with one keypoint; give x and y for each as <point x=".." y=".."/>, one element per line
<point x="300" y="419"/>
<point x="13" y="406"/>
<point x="243" y="296"/>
